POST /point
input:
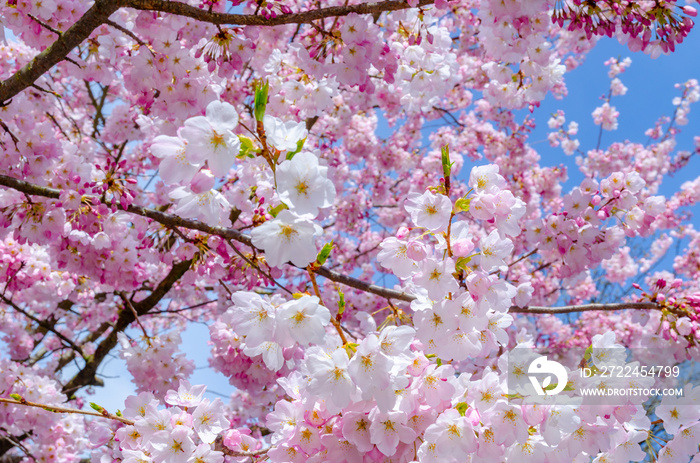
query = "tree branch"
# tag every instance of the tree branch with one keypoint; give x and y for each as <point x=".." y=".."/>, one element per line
<point x="81" y="30"/>
<point x="86" y="376"/>
<point x="58" y="409"/>
<point x="364" y="286"/>
<point x="229" y="233"/>
<point x="43" y="324"/>
<point x="585" y="308"/>
<point x="100" y="12"/>
<point x="305" y="17"/>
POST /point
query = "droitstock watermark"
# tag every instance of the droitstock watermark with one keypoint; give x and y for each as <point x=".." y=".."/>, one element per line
<point x="596" y="376"/>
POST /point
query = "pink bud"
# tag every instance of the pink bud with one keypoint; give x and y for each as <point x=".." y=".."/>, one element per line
<point x="202" y="181"/>
<point x="402" y="233"/>
<point x="232" y="438"/>
<point x="462" y="248"/>
<point x="416" y="250"/>
<point x="689" y="10"/>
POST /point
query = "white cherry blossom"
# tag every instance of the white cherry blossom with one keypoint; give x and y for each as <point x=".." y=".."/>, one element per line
<point x="210" y="138"/>
<point x="287" y="238"/>
<point x="302" y="184"/>
<point x="284" y="135"/>
<point x="429" y="210"/>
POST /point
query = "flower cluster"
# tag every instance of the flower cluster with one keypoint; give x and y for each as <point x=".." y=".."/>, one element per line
<point x="652" y="27"/>
<point x="169" y="170"/>
<point x="156" y="363"/>
<point x="183" y="432"/>
<point x="204" y="148"/>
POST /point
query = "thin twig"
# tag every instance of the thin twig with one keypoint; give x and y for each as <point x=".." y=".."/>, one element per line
<point x="58" y="409"/>
<point x="334" y="320"/>
<point x="43" y="324"/>
<point x="44" y="25"/>
<point x="129" y="33"/>
<point x="257" y="267"/>
<point x="128" y="303"/>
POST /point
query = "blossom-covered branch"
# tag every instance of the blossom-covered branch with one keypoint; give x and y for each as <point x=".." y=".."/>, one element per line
<point x="304" y="17"/>
<point x="171" y="220"/>
<point x="100" y="12"/>
<point x="86" y="375"/>
<point x="59" y="50"/>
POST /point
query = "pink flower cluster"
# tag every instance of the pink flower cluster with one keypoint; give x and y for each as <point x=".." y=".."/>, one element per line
<point x="155" y="363"/>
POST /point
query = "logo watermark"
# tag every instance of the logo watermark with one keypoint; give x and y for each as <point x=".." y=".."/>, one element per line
<point x="552" y="369"/>
<point x="602" y="376"/>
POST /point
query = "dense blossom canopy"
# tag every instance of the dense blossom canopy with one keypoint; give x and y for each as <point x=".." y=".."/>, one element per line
<point x="170" y="162"/>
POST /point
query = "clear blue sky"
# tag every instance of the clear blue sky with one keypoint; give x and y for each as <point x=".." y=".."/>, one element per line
<point x="650" y="86"/>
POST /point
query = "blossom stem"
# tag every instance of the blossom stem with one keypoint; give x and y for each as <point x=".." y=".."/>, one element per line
<point x="57" y="409"/>
<point x="335" y="322"/>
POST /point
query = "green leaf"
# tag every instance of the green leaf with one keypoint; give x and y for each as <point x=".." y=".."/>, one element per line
<point x="325" y="253"/>
<point x="446" y="165"/>
<point x="16" y="397"/>
<point x="462" y="263"/>
<point x="462" y="408"/>
<point x="341" y="303"/>
<point x="462" y="204"/>
<point x="300" y="145"/>
<point x="94" y="406"/>
<point x="276" y="210"/>
<point x="261" y="89"/>
<point x="350" y="348"/>
<point x="247" y="147"/>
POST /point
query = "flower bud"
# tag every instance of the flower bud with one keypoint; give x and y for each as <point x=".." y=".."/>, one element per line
<point x="202" y="181"/>
<point x="416" y="250"/>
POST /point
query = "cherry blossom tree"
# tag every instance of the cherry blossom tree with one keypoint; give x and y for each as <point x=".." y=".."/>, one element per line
<point x="164" y="163"/>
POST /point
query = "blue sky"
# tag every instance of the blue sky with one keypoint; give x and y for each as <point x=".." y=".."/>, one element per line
<point x="650" y="84"/>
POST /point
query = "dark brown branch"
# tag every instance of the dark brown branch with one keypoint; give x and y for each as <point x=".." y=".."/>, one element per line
<point x="304" y="17"/>
<point x="173" y="220"/>
<point x="364" y="286"/>
<point x="129" y="33"/>
<point x="44" y="25"/>
<point x="586" y="308"/>
<point x="81" y="30"/>
<point x="100" y="12"/>
<point x="43" y="324"/>
<point x="86" y="376"/>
